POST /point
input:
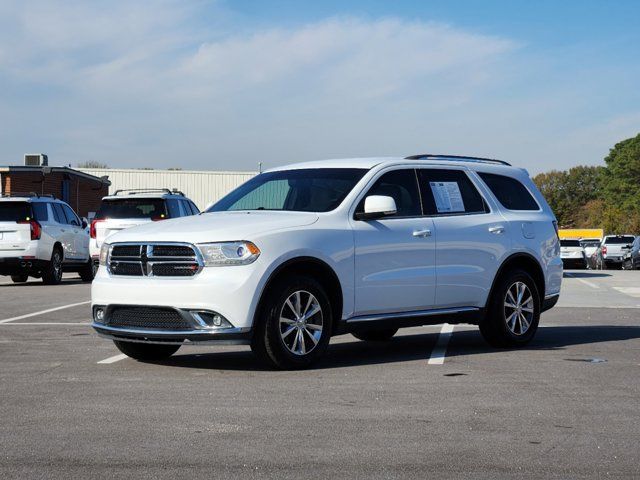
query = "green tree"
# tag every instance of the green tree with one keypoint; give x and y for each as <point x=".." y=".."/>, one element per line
<point x="622" y="176"/>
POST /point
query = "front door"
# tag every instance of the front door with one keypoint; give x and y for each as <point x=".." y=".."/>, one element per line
<point x="395" y="255"/>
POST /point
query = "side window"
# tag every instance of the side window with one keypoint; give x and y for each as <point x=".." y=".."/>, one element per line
<point x="174" y="209"/>
<point x="40" y="211"/>
<point x="72" y="218"/>
<point x="194" y="210"/>
<point x="58" y="213"/>
<point x="449" y="192"/>
<point x="509" y="192"/>
<point x="402" y="186"/>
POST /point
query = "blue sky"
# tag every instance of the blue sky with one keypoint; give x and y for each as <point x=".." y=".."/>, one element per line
<point x="226" y="84"/>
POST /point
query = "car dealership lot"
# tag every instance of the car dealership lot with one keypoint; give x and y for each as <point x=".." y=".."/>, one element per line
<point x="565" y="407"/>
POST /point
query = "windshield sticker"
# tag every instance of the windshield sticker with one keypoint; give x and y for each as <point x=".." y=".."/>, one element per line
<point x="447" y="196"/>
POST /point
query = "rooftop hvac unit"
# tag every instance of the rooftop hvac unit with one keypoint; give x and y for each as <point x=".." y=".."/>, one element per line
<point x="36" y="160"/>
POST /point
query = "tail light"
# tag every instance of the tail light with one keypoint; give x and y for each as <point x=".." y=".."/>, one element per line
<point x="34" y="226"/>
<point x="92" y="228"/>
<point x="159" y="217"/>
<point x="604" y="250"/>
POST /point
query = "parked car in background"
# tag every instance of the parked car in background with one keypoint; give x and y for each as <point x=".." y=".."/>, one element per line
<point x="42" y="237"/>
<point x="363" y="246"/>
<point x="129" y="208"/>
<point x="631" y="259"/>
<point x="572" y="254"/>
<point x="613" y="249"/>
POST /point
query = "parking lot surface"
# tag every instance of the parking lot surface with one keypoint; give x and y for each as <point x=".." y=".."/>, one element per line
<point x="566" y="406"/>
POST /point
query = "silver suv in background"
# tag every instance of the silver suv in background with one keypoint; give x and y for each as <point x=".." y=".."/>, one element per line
<point x="41" y="237"/>
<point x="129" y="208"/>
<point x="572" y="254"/>
<point x="613" y="249"/>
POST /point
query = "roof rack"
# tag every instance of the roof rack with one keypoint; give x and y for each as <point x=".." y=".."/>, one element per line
<point x="27" y="194"/>
<point x="460" y="158"/>
<point x="133" y="191"/>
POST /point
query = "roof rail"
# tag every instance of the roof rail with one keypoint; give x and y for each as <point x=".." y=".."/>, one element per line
<point x="27" y="194"/>
<point x="133" y="191"/>
<point x="460" y="158"/>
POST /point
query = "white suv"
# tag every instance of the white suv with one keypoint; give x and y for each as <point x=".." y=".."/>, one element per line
<point x="42" y="237"/>
<point x="129" y="208"/>
<point x="366" y="246"/>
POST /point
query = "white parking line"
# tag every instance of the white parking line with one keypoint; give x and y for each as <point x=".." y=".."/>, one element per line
<point x="42" y="312"/>
<point x="440" y="350"/>
<point x="114" y="359"/>
<point x="582" y="280"/>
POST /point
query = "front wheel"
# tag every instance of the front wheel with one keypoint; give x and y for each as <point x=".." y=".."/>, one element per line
<point x="146" y="352"/>
<point x="295" y="324"/>
<point x="514" y="311"/>
<point x="52" y="274"/>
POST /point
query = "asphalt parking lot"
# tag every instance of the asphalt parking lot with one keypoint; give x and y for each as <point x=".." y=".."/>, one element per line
<point x="567" y="406"/>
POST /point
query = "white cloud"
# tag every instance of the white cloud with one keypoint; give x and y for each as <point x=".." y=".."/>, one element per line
<point x="152" y="83"/>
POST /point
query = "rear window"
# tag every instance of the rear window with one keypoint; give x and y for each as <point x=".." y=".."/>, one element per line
<point x="509" y="192"/>
<point x="590" y="243"/>
<point x="621" y="240"/>
<point x="15" y="212"/>
<point x="132" y="208"/>
<point x="41" y="212"/>
<point x="570" y="243"/>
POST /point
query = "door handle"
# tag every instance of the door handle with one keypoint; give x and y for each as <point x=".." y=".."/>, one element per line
<point x="422" y="233"/>
<point x="497" y="230"/>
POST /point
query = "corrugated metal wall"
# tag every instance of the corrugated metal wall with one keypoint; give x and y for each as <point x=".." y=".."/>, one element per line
<point x="203" y="187"/>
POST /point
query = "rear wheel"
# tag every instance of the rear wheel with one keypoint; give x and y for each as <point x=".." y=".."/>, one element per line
<point x="52" y="274"/>
<point x="88" y="272"/>
<point x="146" y="352"/>
<point x="514" y="311"/>
<point x="376" y="335"/>
<point x="19" y="278"/>
<point x="295" y="327"/>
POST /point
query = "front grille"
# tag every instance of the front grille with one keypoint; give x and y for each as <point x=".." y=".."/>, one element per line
<point x="154" y="260"/>
<point x="151" y="318"/>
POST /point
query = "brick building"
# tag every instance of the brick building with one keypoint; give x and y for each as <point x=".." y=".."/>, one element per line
<point x="80" y="190"/>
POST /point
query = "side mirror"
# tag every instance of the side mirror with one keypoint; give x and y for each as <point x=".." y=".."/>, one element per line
<point x="377" y="206"/>
<point x="85" y="222"/>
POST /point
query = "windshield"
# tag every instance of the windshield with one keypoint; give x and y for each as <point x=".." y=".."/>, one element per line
<point x="622" y="240"/>
<point x="305" y="190"/>
<point x="132" y="208"/>
<point x="15" y="212"/>
<point x="569" y="243"/>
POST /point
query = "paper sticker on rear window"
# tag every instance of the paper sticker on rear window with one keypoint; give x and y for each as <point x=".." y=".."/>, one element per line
<point x="447" y="196"/>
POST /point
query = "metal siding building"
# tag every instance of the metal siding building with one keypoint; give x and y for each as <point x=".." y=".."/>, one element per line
<point x="203" y="187"/>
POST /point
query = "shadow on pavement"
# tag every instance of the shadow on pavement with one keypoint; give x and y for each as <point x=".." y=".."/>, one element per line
<point x="408" y="348"/>
<point x="585" y="275"/>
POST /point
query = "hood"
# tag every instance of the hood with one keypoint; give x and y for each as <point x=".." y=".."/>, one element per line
<point x="215" y="227"/>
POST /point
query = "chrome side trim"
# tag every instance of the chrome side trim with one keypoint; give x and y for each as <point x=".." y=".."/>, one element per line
<point x="552" y="295"/>
<point x="221" y="341"/>
<point x="414" y="314"/>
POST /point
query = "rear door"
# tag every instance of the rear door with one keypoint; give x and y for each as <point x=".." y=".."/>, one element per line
<point x="394" y="255"/>
<point x="15" y="231"/>
<point x="80" y="237"/>
<point x="65" y="232"/>
<point x="471" y="239"/>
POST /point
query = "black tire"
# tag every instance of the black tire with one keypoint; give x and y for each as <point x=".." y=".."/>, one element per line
<point x="146" y="352"/>
<point x="19" y="278"/>
<point x="500" y="328"/>
<point x="376" y="335"/>
<point x="52" y="273"/>
<point x="274" y="341"/>
<point x="88" y="272"/>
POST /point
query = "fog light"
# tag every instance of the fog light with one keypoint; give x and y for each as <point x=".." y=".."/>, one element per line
<point x="99" y="315"/>
<point x="207" y="319"/>
<point x="217" y="320"/>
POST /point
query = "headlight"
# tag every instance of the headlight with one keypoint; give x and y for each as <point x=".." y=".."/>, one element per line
<point x="104" y="253"/>
<point x="229" y="253"/>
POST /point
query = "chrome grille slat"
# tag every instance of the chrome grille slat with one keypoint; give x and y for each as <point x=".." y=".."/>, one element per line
<point x="154" y="260"/>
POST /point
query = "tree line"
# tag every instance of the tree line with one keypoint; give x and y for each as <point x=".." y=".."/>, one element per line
<point x="605" y="197"/>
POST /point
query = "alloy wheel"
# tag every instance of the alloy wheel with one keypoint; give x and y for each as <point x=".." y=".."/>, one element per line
<point x="518" y="308"/>
<point x="301" y="322"/>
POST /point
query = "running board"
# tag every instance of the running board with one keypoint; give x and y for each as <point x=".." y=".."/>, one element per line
<point x="412" y="319"/>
